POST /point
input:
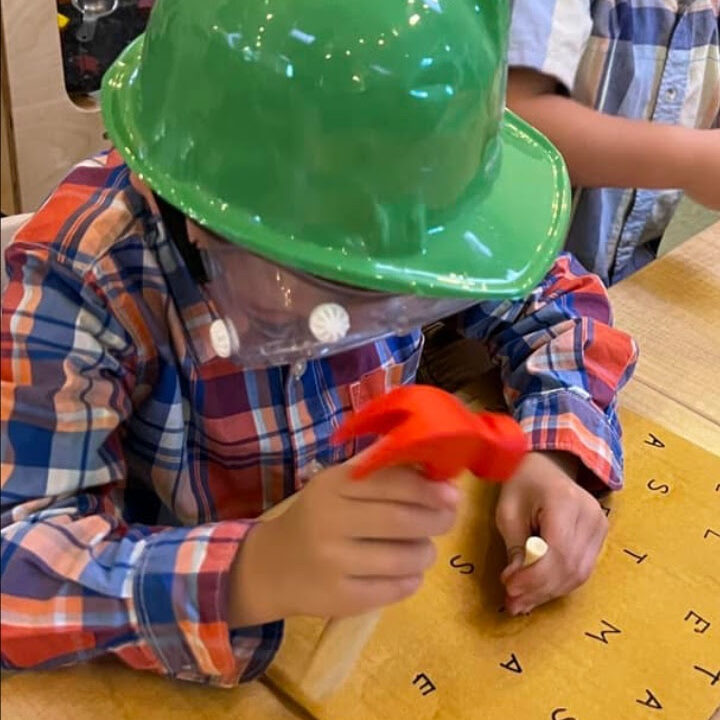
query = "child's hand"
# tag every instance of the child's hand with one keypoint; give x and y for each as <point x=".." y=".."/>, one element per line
<point x="343" y="547"/>
<point x="703" y="172"/>
<point x="543" y="499"/>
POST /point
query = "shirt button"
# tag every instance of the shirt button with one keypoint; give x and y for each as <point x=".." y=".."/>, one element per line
<point x="299" y="368"/>
<point x="670" y="93"/>
<point x="312" y="469"/>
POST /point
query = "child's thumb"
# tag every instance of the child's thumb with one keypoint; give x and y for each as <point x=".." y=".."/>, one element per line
<point x="516" y="555"/>
<point x="515" y="531"/>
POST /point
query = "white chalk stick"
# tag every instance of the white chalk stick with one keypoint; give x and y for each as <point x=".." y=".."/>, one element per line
<point x="535" y="548"/>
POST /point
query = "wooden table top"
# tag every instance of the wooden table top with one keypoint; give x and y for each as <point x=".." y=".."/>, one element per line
<point x="673" y="310"/>
<point x="107" y="690"/>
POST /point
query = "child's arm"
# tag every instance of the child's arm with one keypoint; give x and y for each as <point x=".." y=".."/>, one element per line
<point x="562" y="364"/>
<point x="606" y="151"/>
<point x="78" y="580"/>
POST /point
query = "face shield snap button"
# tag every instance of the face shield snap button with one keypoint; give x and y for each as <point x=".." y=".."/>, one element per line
<point x="329" y="322"/>
<point x="223" y="338"/>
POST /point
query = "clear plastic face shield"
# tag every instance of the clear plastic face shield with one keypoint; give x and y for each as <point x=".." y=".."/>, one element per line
<point x="273" y="315"/>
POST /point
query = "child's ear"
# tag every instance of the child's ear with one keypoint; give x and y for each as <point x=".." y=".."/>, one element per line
<point x="140" y="187"/>
<point x="199" y="236"/>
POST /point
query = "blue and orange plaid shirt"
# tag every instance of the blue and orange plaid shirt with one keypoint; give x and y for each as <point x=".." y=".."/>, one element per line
<point x="134" y="460"/>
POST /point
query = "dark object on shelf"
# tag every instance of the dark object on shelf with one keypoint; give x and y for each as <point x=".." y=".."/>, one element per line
<point x="95" y="35"/>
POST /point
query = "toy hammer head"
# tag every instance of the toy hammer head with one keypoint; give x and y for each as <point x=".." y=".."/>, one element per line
<point x="428" y="427"/>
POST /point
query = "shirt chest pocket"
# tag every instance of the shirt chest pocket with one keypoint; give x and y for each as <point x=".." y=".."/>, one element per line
<point x="380" y="381"/>
<point x="239" y="453"/>
<point x="371" y="380"/>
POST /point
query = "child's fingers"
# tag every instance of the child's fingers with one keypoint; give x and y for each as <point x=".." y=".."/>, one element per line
<point x="522" y="605"/>
<point x="516" y="563"/>
<point x="363" y="594"/>
<point x="384" y="558"/>
<point x="522" y="556"/>
<point x="534" y="580"/>
<point x="564" y="574"/>
<point x="402" y="485"/>
<point x="558" y="528"/>
<point x="514" y="527"/>
<point x="538" y="584"/>
<point x="374" y="520"/>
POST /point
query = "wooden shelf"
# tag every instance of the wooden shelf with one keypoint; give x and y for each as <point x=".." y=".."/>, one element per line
<point x="45" y="131"/>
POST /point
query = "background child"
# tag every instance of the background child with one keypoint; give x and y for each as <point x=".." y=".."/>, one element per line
<point x="627" y="91"/>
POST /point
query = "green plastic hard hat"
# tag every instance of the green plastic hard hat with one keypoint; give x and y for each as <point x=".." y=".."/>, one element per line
<point x="366" y="143"/>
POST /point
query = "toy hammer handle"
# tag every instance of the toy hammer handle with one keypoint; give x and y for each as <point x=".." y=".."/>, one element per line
<point x="338" y="648"/>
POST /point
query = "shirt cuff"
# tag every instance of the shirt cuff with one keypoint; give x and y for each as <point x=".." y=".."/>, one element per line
<point x="568" y="421"/>
<point x="180" y="595"/>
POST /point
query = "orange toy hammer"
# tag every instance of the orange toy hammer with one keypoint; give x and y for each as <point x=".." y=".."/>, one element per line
<point x="428" y="427"/>
<point x="425" y="427"/>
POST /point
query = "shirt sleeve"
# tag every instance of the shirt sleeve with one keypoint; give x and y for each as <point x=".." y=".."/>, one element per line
<point x="78" y="580"/>
<point x="562" y="365"/>
<point x="550" y="36"/>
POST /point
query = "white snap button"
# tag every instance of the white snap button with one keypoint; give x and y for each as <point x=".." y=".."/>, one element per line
<point x="313" y="468"/>
<point x="329" y="322"/>
<point x="223" y="338"/>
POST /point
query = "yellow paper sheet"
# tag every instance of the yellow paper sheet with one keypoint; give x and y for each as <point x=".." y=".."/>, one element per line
<point x="641" y="640"/>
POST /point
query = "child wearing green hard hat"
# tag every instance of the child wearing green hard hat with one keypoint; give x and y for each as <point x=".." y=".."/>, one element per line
<point x="294" y="191"/>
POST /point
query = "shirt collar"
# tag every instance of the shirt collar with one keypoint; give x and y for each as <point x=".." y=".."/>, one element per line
<point x="195" y="310"/>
